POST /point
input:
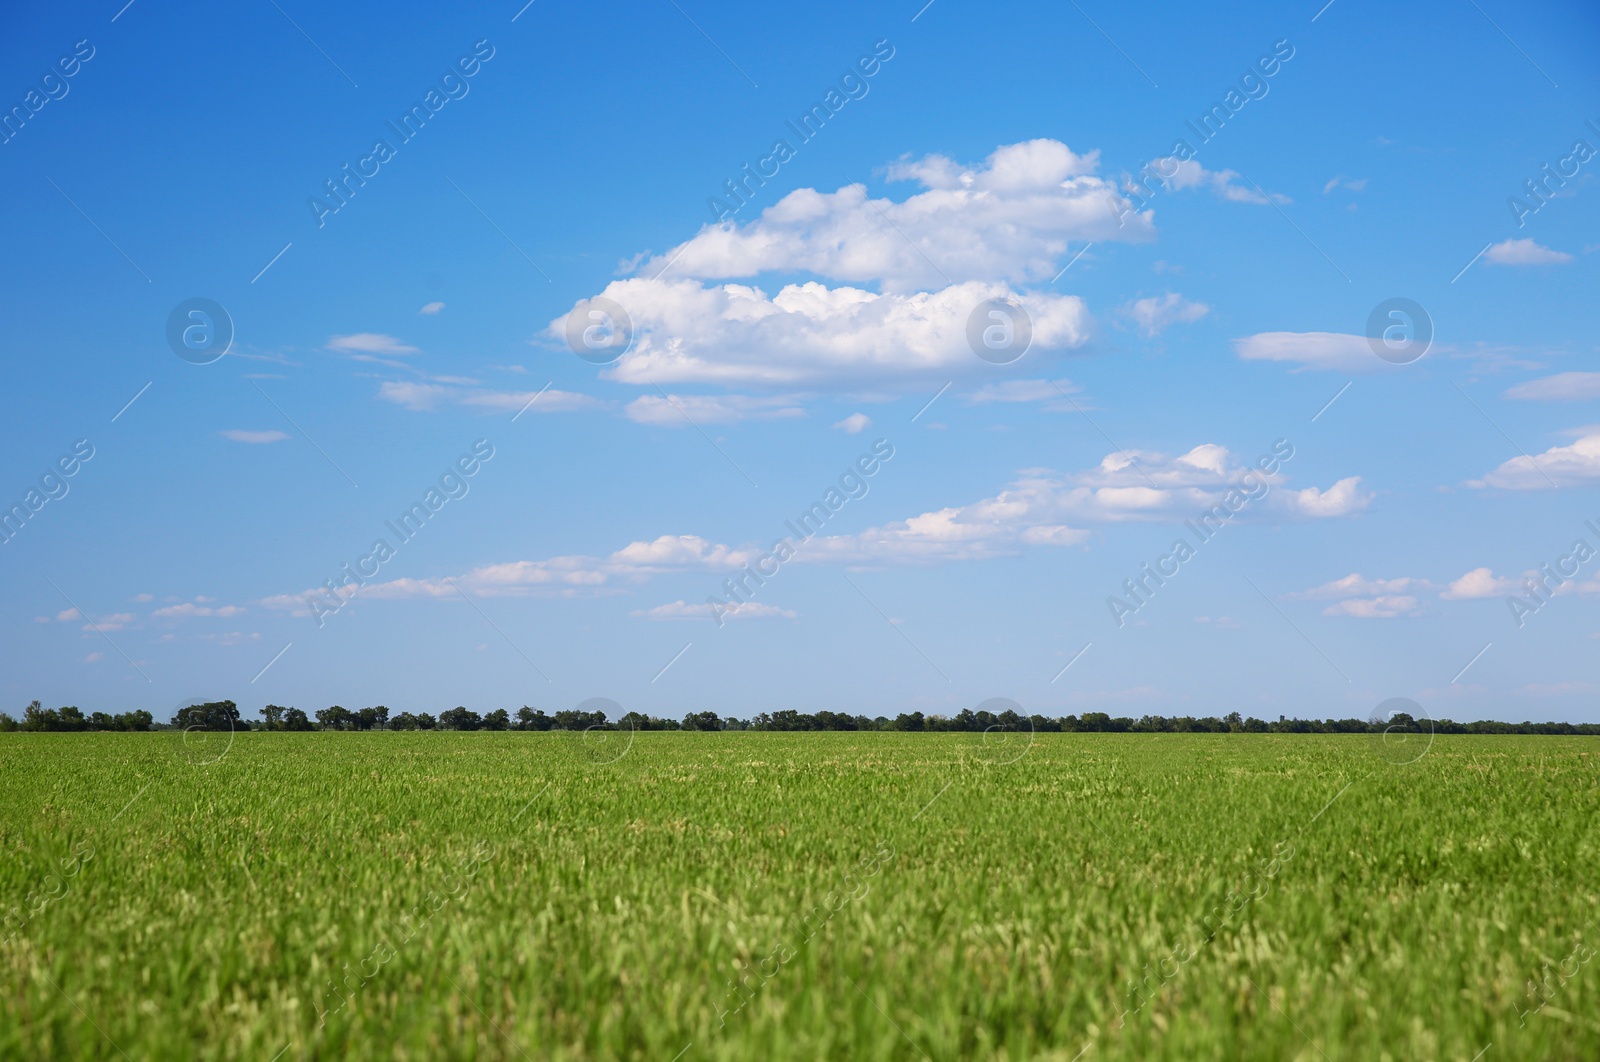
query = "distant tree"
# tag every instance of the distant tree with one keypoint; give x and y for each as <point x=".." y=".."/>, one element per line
<point x="371" y="718"/>
<point x="212" y="715"/>
<point x="572" y="719"/>
<point x="336" y="717"/>
<point x="912" y="721"/>
<point x="403" y="721"/>
<point x="426" y="721"/>
<point x="499" y="719"/>
<point x="36" y="717"/>
<point x="295" y="719"/>
<point x="702" y="721"/>
<point x="460" y="718"/>
<point x="8" y="725"/>
<point x="533" y="719"/>
<point x="272" y="716"/>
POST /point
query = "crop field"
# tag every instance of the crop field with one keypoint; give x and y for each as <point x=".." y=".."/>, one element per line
<point x="798" y="896"/>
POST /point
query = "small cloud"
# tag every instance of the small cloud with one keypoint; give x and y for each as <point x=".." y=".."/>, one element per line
<point x="369" y="343"/>
<point x="428" y="396"/>
<point x="92" y="657"/>
<point x="1344" y="182"/>
<point x="1562" y="387"/>
<point x="1341" y="499"/>
<point x="190" y="609"/>
<point x="1479" y="582"/>
<point x="141" y="598"/>
<point x="1524" y="252"/>
<point x="1155" y="314"/>
<point x="1387" y="607"/>
<point x="256" y="437"/>
<point x="115" y="622"/>
<point x="854" y="424"/>
<point x="1358" y="585"/>
<point x="677" y="610"/>
<point x="431" y="308"/>
<point x="67" y="615"/>
<point x="1022" y="391"/>
<point x="1222" y="622"/>
<point x="682" y="411"/>
<point x="1339" y="351"/>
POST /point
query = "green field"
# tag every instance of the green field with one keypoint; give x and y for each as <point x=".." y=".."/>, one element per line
<point x="798" y="896"/>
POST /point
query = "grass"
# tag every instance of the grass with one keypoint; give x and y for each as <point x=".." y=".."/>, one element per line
<point x="797" y="896"/>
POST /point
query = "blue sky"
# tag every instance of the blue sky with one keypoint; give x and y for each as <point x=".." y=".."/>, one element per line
<point x="1192" y="306"/>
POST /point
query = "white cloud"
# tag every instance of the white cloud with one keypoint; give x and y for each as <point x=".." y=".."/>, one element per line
<point x="1039" y="508"/>
<point x="1480" y="582"/>
<point x="854" y="424"/>
<point x="67" y="615"/>
<point x="1358" y="597"/>
<point x="1190" y="174"/>
<point x="681" y="609"/>
<point x="683" y="411"/>
<point x="93" y="658"/>
<point x="239" y="435"/>
<point x="1155" y="314"/>
<point x="1341" y="499"/>
<point x="115" y="622"/>
<point x="1562" y="387"/>
<point x="431" y="308"/>
<point x="1524" y="252"/>
<point x="558" y="576"/>
<point x="1561" y="466"/>
<point x="1387" y="607"/>
<point x="735" y="334"/>
<point x="1344" y="182"/>
<point x="1009" y="219"/>
<point x="189" y="610"/>
<point x="1023" y="391"/>
<point x="1313" y="350"/>
<point x="427" y="396"/>
<point x="1358" y="585"/>
<point x="369" y="343"/>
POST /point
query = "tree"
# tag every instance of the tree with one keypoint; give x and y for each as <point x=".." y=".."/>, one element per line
<point x="273" y="716"/>
<point x="212" y="715"/>
<point x="702" y="721"/>
<point x="572" y="719"/>
<point x="336" y="717"/>
<point x="533" y="719"/>
<point x="295" y="719"/>
<point x="371" y="718"/>
<point x="460" y="718"/>
<point x="498" y="719"/>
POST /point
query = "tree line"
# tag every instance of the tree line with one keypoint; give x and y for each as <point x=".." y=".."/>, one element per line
<point x="225" y="715"/>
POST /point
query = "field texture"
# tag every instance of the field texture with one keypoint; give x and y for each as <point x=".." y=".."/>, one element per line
<point x="798" y="896"/>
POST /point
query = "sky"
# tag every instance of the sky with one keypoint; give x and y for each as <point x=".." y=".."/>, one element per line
<point x="915" y="416"/>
